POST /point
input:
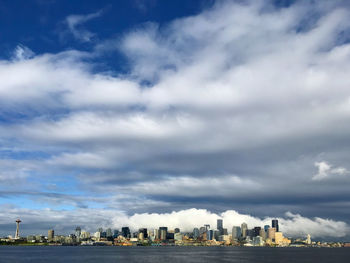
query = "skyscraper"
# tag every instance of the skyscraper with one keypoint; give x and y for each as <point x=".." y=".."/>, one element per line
<point x="219" y="224"/>
<point x="78" y="231"/>
<point x="126" y="232"/>
<point x="256" y="231"/>
<point x="236" y="232"/>
<point x="271" y="233"/>
<point x="244" y="228"/>
<point x="195" y="233"/>
<point x="109" y="233"/>
<point x="275" y="225"/>
<point x="163" y="232"/>
<point x="50" y="235"/>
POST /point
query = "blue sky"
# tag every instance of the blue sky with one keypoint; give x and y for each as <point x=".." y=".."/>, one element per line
<point x="148" y="112"/>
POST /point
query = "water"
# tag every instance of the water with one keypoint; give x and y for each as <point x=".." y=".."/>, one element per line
<point x="38" y="254"/>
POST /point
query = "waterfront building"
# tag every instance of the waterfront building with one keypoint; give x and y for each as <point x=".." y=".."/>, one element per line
<point x="236" y="232"/>
<point x="126" y="232"/>
<point x="256" y="231"/>
<point x="219" y="224"/>
<point x="50" y="235"/>
<point x="244" y="228"/>
<point x="271" y="234"/>
<point x="195" y="233"/>
<point x="258" y="241"/>
<point x="109" y="233"/>
<point x="308" y="239"/>
<point x="144" y="232"/>
<point x="210" y="234"/>
<point x="275" y="225"/>
<point x="77" y="232"/>
<point x="262" y="234"/>
<point x="163" y="231"/>
<point x="178" y="236"/>
<point x="177" y="230"/>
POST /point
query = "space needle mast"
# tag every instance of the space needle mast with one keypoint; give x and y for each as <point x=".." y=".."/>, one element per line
<point x="17" y="229"/>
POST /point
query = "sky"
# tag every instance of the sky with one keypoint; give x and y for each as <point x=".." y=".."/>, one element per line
<point x="145" y="113"/>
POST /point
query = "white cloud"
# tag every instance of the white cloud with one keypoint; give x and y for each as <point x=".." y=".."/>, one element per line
<point x="22" y="52"/>
<point x="74" y="21"/>
<point x="325" y="170"/>
<point x="90" y="219"/>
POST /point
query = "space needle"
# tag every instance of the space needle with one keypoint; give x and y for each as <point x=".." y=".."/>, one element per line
<point x="17" y="229"/>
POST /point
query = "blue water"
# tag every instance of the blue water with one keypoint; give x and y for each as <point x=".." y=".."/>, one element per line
<point x="46" y="254"/>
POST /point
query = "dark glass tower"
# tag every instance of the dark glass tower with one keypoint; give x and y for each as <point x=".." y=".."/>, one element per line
<point x="126" y="232"/>
<point x="275" y="225"/>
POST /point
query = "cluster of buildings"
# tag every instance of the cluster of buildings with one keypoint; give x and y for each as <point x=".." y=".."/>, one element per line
<point x="204" y="236"/>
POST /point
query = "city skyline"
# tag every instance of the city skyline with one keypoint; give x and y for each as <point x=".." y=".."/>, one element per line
<point x="175" y="112"/>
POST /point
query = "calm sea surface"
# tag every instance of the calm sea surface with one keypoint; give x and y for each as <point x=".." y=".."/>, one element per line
<point x="38" y="254"/>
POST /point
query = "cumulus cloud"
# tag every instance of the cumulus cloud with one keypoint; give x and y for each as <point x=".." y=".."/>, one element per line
<point x="325" y="170"/>
<point x="292" y="225"/>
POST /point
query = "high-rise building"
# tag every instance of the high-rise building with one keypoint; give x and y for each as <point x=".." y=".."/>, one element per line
<point x="126" y="232"/>
<point x="236" y="232"/>
<point x="144" y="231"/>
<point x="50" y="235"/>
<point x="177" y="230"/>
<point x="256" y="231"/>
<point x="271" y="233"/>
<point x="163" y="232"/>
<point x="275" y="225"/>
<point x="109" y="233"/>
<point x="244" y="228"/>
<point x="308" y="239"/>
<point x="195" y="233"/>
<point x="210" y="234"/>
<point x="219" y="224"/>
<point x="78" y="231"/>
<point x="262" y="234"/>
<point x="100" y="230"/>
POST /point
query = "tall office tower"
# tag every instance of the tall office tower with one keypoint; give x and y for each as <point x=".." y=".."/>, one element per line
<point x="195" y="233"/>
<point x="144" y="231"/>
<point x="244" y="228"/>
<point x="100" y="230"/>
<point x="50" y="235"/>
<point x="109" y="232"/>
<point x="156" y="233"/>
<point x="210" y="234"/>
<point x="207" y="227"/>
<point x="271" y="233"/>
<point x="256" y="231"/>
<point x="17" y="228"/>
<point x="126" y="232"/>
<point x="308" y="239"/>
<point x="177" y="230"/>
<point x="236" y="232"/>
<point x="275" y="225"/>
<point x="78" y="231"/>
<point x="219" y="224"/>
<point x="262" y="234"/>
<point x="163" y="230"/>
